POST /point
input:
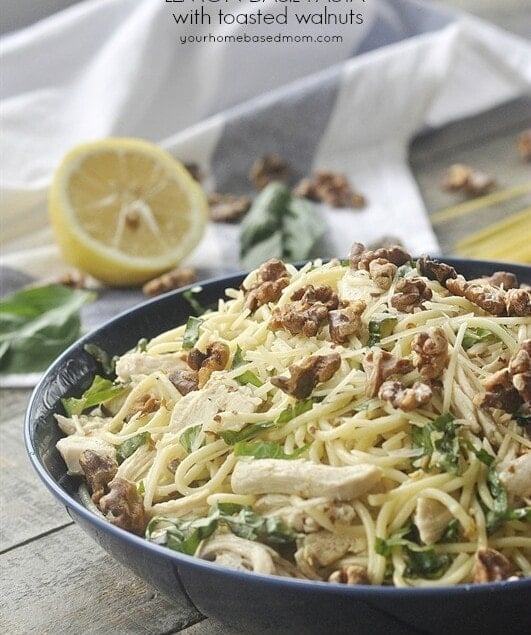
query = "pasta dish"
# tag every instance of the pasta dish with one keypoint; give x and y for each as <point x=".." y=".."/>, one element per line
<point x="364" y="421"/>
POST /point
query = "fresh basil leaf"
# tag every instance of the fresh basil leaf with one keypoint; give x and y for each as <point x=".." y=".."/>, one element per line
<point x="131" y="445"/>
<point x="248" y="377"/>
<point x="191" y="332"/>
<point x="278" y="225"/>
<point x="100" y="391"/>
<point x="141" y="488"/>
<point x="37" y="325"/>
<point x="266" y="450"/>
<point x="189" y="437"/>
<point x="451" y="533"/>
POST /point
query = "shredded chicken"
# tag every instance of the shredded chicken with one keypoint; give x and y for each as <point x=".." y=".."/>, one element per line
<point x="303" y="478"/>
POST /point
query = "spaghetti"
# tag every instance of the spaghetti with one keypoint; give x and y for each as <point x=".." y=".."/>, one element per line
<point x="360" y="422"/>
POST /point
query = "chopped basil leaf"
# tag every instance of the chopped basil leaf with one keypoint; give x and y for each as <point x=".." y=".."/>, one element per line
<point x="141" y="345"/>
<point x="474" y="335"/>
<point x="501" y="511"/>
<point x="141" y="488"/>
<point x="237" y="360"/>
<point x="384" y="546"/>
<point x="266" y="450"/>
<point x="100" y="391"/>
<point x="451" y="533"/>
<point x="189" y="437"/>
<point x="191" y="332"/>
<point x="438" y="441"/>
<point x="185" y="536"/>
<point x="378" y="329"/>
<point x="37" y="324"/>
<point x="425" y="563"/>
<point x="107" y="363"/>
<point x="130" y="446"/>
<point x="190" y="297"/>
<point x="248" y="377"/>
<point x="298" y="408"/>
<point x="232" y="437"/>
<point x="422" y="561"/>
<point x="250" y="525"/>
<point x="481" y="454"/>
<point x="523" y="420"/>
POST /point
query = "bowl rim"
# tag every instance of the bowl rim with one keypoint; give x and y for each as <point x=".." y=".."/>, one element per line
<point x="63" y="496"/>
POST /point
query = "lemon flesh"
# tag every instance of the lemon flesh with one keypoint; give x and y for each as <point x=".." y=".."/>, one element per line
<point x="124" y="210"/>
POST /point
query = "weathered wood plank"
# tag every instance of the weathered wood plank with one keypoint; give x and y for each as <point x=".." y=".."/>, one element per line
<point x="64" y="583"/>
<point x="13" y="401"/>
<point x="28" y="509"/>
<point x="486" y="142"/>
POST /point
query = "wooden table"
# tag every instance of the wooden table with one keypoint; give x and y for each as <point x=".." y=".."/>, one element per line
<point x="54" y="579"/>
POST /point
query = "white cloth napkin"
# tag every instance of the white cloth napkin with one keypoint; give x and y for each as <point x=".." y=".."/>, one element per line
<point x="118" y="68"/>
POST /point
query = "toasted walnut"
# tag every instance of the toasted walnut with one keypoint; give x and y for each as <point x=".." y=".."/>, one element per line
<point x="488" y="297"/>
<point x="463" y="178"/>
<point x="355" y="255"/>
<point x="174" y="279"/>
<point x="379" y="365"/>
<point x="272" y="278"/>
<point x="124" y="507"/>
<point x="346" y="321"/>
<point x="73" y="279"/>
<point x="499" y="393"/>
<point x="308" y="312"/>
<point x="382" y="272"/>
<point x="395" y="254"/>
<point x="430" y="352"/>
<point x="214" y="358"/>
<point x="99" y="471"/>
<point x="331" y="188"/>
<point x="185" y="380"/>
<point x="305" y="376"/>
<point x="350" y="574"/>
<point x="270" y="167"/>
<point x="406" y="399"/>
<point x="519" y="368"/>
<point x="518" y="302"/>
<point x="409" y="294"/>
<point x="145" y="404"/>
<point x="491" y="566"/>
<point x="503" y="279"/>
<point x="524" y="144"/>
<point x="228" y="208"/>
<point x="435" y="270"/>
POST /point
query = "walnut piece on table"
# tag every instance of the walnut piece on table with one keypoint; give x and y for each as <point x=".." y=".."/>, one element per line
<point x="173" y="279"/>
<point x="470" y="181"/>
<point x="523" y="144"/>
<point x="228" y="208"/>
<point x="330" y="187"/>
<point x="269" y="168"/>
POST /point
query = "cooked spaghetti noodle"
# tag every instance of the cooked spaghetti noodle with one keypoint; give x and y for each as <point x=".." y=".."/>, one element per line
<point x="356" y="422"/>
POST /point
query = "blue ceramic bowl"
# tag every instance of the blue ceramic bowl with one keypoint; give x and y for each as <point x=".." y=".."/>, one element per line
<point x="251" y="602"/>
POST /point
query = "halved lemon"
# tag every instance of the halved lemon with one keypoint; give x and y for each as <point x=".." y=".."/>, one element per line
<point x="124" y="210"/>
